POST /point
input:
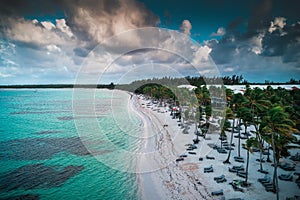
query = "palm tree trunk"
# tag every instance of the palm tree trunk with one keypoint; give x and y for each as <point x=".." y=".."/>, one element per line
<point x="275" y="179"/>
<point x="247" y="166"/>
<point x="268" y="157"/>
<point x="231" y="138"/>
<point x="260" y="159"/>
<point x="239" y="140"/>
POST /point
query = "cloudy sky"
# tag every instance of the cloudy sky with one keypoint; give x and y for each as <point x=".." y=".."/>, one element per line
<point x="54" y="41"/>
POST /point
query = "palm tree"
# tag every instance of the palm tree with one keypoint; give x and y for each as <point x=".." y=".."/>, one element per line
<point x="229" y="115"/>
<point x="280" y="128"/>
<point x="257" y="102"/>
<point x="251" y="142"/>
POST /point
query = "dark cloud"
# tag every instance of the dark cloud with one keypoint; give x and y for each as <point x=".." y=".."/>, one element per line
<point x="253" y="38"/>
<point x="81" y="52"/>
<point x="19" y="8"/>
<point x="261" y="16"/>
<point x="285" y="43"/>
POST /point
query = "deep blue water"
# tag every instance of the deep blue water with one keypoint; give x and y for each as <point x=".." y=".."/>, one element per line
<point x="48" y="152"/>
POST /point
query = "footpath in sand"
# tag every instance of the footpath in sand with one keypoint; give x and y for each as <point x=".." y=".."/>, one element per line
<point x="161" y="177"/>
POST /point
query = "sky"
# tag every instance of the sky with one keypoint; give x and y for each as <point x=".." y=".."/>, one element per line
<point x="103" y="41"/>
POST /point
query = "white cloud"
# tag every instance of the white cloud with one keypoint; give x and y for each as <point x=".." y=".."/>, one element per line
<point x="47" y="25"/>
<point x="30" y="32"/>
<point x="53" y="48"/>
<point x="229" y="69"/>
<point x="186" y="27"/>
<point x="278" y="23"/>
<point x="256" y="43"/>
<point x="3" y="75"/>
<point x="220" y="32"/>
<point x="63" y="27"/>
<point x="201" y="55"/>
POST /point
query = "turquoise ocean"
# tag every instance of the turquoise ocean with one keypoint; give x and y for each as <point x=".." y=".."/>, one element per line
<point x="44" y="156"/>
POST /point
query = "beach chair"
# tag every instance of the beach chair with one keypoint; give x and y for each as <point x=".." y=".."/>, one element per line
<point x="220" y="179"/>
<point x="286" y="177"/>
<point x="239" y="159"/>
<point x="238" y="167"/>
<point x="223" y="151"/>
<point x="235" y="185"/>
<point x="208" y="169"/>
<point x="232" y="170"/>
<point x="264" y="179"/>
<point x="263" y="171"/>
<point x="217" y="193"/>
<point x="241" y="174"/>
<point x="210" y="157"/>
<point x="260" y="160"/>
<point x="287" y="167"/>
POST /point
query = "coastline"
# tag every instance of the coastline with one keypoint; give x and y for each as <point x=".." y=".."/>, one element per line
<point x="185" y="179"/>
<point x="159" y="176"/>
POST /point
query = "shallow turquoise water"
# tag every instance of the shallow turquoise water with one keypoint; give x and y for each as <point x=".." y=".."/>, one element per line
<point x="45" y="149"/>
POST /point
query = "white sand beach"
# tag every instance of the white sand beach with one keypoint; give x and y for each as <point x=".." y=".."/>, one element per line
<point x="161" y="177"/>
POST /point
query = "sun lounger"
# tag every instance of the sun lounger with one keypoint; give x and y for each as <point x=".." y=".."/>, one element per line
<point x="287" y="167"/>
<point x="217" y="193"/>
<point x="223" y="151"/>
<point x="210" y="157"/>
<point x="263" y="171"/>
<point x="208" y="169"/>
<point x="269" y="184"/>
<point x="286" y="177"/>
<point x="235" y="185"/>
<point x="232" y="170"/>
<point x="219" y="177"/>
<point x="262" y="160"/>
<point x="179" y="159"/>
<point x="264" y="179"/>
<point x="239" y="159"/>
<point x="270" y="189"/>
<point x="238" y="167"/>
<point x="241" y="174"/>
<point x="228" y="148"/>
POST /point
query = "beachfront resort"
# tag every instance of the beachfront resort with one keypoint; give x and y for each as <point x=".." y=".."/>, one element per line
<point x="251" y="151"/>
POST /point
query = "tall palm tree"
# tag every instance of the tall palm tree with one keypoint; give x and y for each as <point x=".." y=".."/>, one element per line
<point x="243" y="114"/>
<point x="229" y="115"/>
<point x="251" y="142"/>
<point x="257" y="102"/>
<point x="280" y="128"/>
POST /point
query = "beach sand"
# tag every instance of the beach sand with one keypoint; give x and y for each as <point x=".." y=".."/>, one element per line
<point x="161" y="177"/>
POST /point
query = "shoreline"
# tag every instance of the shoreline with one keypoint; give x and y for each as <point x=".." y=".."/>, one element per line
<point x="170" y="180"/>
<point x="185" y="179"/>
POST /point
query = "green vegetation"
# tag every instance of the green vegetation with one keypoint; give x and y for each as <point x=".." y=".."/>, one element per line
<point x="274" y="113"/>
